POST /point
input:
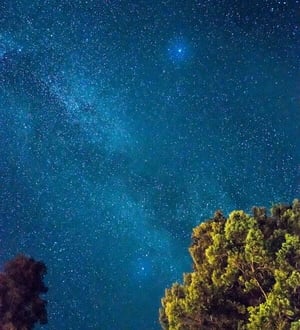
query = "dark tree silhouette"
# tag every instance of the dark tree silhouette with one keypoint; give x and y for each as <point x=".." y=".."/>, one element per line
<point x="21" y="283"/>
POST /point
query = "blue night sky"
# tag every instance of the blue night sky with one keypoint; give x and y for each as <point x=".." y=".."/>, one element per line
<point x="124" y="124"/>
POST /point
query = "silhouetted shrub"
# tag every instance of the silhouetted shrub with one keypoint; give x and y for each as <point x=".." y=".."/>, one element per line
<point x="21" y="283"/>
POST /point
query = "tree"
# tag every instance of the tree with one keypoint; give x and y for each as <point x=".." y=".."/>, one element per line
<point x="21" y="283"/>
<point x="246" y="274"/>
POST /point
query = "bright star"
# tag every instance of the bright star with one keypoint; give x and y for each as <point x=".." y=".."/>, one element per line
<point x="178" y="50"/>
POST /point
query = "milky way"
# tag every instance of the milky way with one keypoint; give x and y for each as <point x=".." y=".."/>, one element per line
<point x="124" y="124"/>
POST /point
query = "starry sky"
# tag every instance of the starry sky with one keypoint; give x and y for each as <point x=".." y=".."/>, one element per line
<point x="124" y="124"/>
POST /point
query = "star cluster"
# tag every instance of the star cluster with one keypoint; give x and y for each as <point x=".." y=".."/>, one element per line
<point x="124" y="124"/>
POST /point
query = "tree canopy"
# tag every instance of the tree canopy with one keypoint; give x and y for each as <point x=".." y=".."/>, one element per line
<point x="246" y="274"/>
<point x="21" y="284"/>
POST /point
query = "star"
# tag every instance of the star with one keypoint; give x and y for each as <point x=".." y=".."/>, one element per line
<point x="178" y="50"/>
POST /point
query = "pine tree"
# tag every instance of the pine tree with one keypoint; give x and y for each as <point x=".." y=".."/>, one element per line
<point x="246" y="274"/>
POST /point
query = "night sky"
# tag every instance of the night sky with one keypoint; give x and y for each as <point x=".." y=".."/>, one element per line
<point x="124" y="124"/>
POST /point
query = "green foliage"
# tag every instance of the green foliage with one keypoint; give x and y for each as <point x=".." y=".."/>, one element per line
<point x="246" y="274"/>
